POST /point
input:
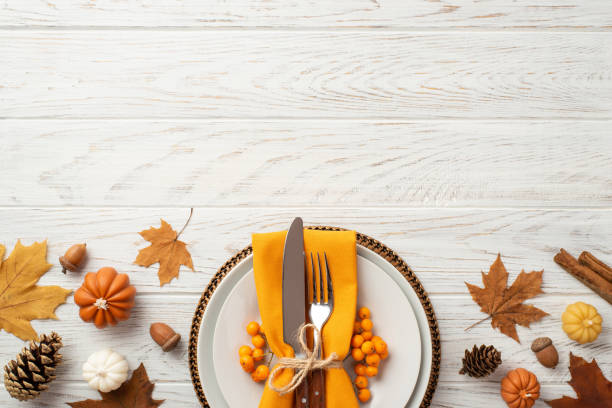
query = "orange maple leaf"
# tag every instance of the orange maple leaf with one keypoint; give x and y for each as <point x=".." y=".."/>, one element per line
<point x="592" y="388"/>
<point x="166" y="249"/>
<point x="505" y="305"/>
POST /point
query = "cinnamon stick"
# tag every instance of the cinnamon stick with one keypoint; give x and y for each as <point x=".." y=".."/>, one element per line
<point x="585" y="275"/>
<point x="590" y="261"/>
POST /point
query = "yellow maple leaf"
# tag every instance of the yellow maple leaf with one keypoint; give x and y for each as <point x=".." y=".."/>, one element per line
<point x="20" y="299"/>
<point x="166" y="249"/>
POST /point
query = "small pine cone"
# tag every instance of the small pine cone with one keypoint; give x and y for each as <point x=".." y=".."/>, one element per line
<point x="28" y="375"/>
<point x="481" y="362"/>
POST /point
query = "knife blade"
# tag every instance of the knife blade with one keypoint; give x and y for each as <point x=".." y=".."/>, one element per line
<point x="294" y="296"/>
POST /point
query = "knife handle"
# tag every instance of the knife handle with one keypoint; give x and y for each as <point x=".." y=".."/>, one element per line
<point x="301" y="395"/>
<point x="317" y="389"/>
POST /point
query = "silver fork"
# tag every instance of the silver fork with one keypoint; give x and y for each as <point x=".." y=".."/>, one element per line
<point x="319" y="311"/>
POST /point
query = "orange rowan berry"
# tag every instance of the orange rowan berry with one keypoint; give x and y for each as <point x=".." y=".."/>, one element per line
<point x="261" y="373"/>
<point x="258" y="341"/>
<point x="368" y="347"/>
<point x="357" y="328"/>
<point x="357" y="340"/>
<point x="367" y="335"/>
<point x="367" y="324"/>
<point x="245" y="351"/>
<point x="371" y="371"/>
<point x="252" y="328"/>
<point x="364" y="395"/>
<point x="380" y="346"/>
<point x="258" y="354"/>
<point x="360" y="369"/>
<point x="357" y="354"/>
<point x="373" y="360"/>
<point x="361" y="381"/>
<point x="247" y="363"/>
<point x="364" y="313"/>
<point x="384" y="354"/>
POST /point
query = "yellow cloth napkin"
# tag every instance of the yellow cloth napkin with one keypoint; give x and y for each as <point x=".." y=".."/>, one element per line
<point x="341" y="250"/>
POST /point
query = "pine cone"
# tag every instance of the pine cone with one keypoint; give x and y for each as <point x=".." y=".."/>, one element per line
<point x="28" y="375"/>
<point x="481" y="362"/>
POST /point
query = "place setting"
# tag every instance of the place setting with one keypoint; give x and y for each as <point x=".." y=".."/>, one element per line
<point x="314" y="316"/>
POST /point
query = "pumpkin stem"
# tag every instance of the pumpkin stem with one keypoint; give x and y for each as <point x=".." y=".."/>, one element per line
<point x="101" y="304"/>
<point x="478" y="322"/>
<point x="184" y="226"/>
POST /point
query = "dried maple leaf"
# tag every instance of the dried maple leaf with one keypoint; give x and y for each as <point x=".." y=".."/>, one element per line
<point x="505" y="305"/>
<point x="592" y="388"/>
<point x="166" y="249"/>
<point x="134" y="393"/>
<point x="20" y="299"/>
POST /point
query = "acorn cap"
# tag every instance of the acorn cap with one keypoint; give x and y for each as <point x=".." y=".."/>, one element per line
<point x="540" y="344"/>
<point x="171" y="343"/>
<point x="66" y="264"/>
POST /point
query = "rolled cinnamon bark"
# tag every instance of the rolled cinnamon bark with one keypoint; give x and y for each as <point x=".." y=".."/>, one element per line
<point x="590" y="261"/>
<point x="585" y="275"/>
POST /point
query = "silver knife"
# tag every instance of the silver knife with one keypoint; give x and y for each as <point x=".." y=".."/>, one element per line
<point x="294" y="297"/>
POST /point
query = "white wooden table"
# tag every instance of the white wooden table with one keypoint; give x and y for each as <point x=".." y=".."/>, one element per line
<point x="449" y="130"/>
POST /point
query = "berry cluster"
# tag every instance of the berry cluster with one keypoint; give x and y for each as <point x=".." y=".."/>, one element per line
<point x="250" y="356"/>
<point x="368" y="351"/>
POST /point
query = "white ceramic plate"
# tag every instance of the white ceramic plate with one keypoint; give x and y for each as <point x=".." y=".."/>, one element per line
<point x="396" y="311"/>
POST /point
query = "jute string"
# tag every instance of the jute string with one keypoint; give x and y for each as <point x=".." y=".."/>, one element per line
<point x="302" y="367"/>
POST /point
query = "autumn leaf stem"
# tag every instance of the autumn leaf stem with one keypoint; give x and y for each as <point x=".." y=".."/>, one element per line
<point x="478" y="322"/>
<point x="184" y="226"/>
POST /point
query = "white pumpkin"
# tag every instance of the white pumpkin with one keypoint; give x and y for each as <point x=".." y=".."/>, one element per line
<point x="105" y="370"/>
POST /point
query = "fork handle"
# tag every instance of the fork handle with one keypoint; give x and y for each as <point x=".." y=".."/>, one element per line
<point x="317" y="389"/>
<point x="301" y="395"/>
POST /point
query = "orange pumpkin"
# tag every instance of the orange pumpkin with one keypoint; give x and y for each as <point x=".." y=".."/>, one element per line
<point x="520" y="388"/>
<point x="106" y="297"/>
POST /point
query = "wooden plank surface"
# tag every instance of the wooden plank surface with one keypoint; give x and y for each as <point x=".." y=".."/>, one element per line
<point x="421" y="14"/>
<point x="312" y="74"/>
<point x="181" y="395"/>
<point x="444" y="246"/>
<point x="314" y="163"/>
<point x="449" y="130"/>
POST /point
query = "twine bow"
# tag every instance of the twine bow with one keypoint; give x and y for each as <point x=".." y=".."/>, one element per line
<point x="306" y="365"/>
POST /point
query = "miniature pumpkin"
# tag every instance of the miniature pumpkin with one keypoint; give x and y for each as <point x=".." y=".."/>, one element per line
<point x="581" y="322"/>
<point x="105" y="370"/>
<point x="106" y="297"/>
<point x="520" y="388"/>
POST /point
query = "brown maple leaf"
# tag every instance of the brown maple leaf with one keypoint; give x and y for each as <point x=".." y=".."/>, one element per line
<point x="166" y="249"/>
<point x="134" y="393"/>
<point x="20" y="299"/>
<point x="505" y="305"/>
<point x="592" y="388"/>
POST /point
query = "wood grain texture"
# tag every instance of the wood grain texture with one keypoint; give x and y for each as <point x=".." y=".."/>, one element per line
<point x="270" y="74"/>
<point x="444" y="246"/>
<point x="181" y="395"/>
<point x="313" y="163"/>
<point x="421" y="14"/>
<point x="449" y="130"/>
<point x="131" y="338"/>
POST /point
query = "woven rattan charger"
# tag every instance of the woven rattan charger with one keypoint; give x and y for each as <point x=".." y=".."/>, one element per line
<point x="363" y="240"/>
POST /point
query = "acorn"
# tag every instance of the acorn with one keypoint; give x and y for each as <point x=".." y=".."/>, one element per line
<point x="164" y="335"/>
<point x="545" y="351"/>
<point x="73" y="257"/>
